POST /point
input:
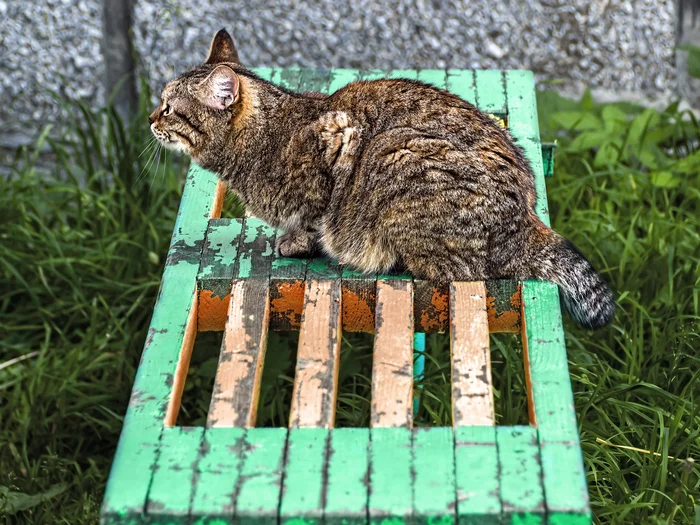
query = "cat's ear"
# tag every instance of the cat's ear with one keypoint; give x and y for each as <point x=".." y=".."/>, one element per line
<point x="220" y="89"/>
<point x="222" y="49"/>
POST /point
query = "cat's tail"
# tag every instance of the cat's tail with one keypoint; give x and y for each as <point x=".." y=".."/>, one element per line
<point x="585" y="295"/>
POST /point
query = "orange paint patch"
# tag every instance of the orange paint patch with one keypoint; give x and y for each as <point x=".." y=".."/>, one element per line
<point x="287" y="303"/>
<point x="435" y="317"/>
<point x="358" y="312"/>
<point x="212" y="311"/>
<point x="504" y="322"/>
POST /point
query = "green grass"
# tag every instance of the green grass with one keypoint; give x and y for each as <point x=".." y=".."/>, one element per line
<point x="83" y="236"/>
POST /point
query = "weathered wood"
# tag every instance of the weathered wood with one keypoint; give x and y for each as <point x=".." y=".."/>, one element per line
<point x="304" y="473"/>
<point x="216" y="272"/>
<point x="359" y="299"/>
<point x="256" y="250"/>
<point x="410" y="74"/>
<point x="175" y="477"/>
<point x="219" y="197"/>
<point x="547" y="370"/>
<point x="390" y="479"/>
<point x="392" y="368"/>
<point x="125" y="494"/>
<point x="490" y="91"/>
<point x="257" y="494"/>
<point x="434" y="77"/>
<point x="461" y="82"/>
<point x="340" y="77"/>
<point x="318" y="356"/>
<point x="524" y="126"/>
<point x="433" y="466"/>
<point x="548" y="158"/>
<point x="472" y="388"/>
<point x="234" y="401"/>
<point x="218" y="471"/>
<point x="476" y="474"/>
<point x="564" y="481"/>
<point x="183" y="366"/>
<point x="520" y="475"/>
<point x="348" y="472"/>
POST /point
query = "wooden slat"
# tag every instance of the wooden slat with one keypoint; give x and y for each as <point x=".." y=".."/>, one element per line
<point x="340" y="78"/>
<point x="434" y="77"/>
<point x="472" y="389"/>
<point x="175" y="478"/>
<point x="216" y="269"/>
<point x="347" y="472"/>
<point x="304" y="473"/>
<point x="461" y="83"/>
<point x="257" y="494"/>
<point x="564" y="481"/>
<point x="476" y="472"/>
<point x="129" y="479"/>
<point x="390" y="479"/>
<point x="392" y="368"/>
<point x="218" y="472"/>
<point x="434" y="490"/>
<point x="316" y="376"/>
<point x="256" y="250"/>
<point x="490" y="91"/>
<point x="410" y="74"/>
<point x="183" y="366"/>
<point x="234" y="402"/>
<point x="520" y="475"/>
<point x="524" y="126"/>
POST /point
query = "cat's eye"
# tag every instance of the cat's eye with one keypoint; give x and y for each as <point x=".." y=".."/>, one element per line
<point x="167" y="111"/>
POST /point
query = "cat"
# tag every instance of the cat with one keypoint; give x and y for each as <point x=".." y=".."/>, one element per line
<point x="380" y="175"/>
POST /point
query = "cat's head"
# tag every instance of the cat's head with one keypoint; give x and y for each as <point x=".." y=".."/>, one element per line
<point x="198" y="107"/>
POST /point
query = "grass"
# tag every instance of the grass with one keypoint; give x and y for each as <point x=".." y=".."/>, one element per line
<point x="82" y="241"/>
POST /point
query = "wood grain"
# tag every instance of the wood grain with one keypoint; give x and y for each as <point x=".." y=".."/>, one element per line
<point x="183" y="366"/>
<point x="392" y="369"/>
<point x="234" y="402"/>
<point x="472" y="388"/>
<point x="316" y="376"/>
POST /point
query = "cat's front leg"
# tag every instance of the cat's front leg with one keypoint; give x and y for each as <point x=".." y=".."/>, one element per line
<point x="298" y="243"/>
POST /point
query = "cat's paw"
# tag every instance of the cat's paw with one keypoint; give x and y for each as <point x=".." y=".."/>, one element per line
<point x="295" y="245"/>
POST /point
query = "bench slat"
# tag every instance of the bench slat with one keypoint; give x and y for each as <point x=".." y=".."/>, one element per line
<point x="392" y="367"/>
<point x="234" y="402"/>
<point x="490" y="91"/>
<point x="472" y="389"/>
<point x="476" y="472"/>
<point x="434" y="476"/>
<point x="172" y="485"/>
<point x="520" y="475"/>
<point x="303" y="491"/>
<point x="218" y="471"/>
<point x="257" y="494"/>
<point x="348" y="470"/>
<point x="316" y="376"/>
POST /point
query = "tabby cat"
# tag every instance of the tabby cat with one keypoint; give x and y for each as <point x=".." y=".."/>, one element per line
<point x="380" y="175"/>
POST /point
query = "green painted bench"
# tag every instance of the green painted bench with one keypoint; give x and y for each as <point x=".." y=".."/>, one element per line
<point x="223" y="274"/>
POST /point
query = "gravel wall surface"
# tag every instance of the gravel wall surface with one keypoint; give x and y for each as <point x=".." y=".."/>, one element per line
<point x="611" y="44"/>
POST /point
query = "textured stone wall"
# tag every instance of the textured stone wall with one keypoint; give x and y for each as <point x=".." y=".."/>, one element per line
<point x="619" y="45"/>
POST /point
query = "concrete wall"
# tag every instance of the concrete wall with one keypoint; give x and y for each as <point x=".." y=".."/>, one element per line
<point x="618" y="45"/>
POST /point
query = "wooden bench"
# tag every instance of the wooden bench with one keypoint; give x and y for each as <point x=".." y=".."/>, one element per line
<point x="223" y="274"/>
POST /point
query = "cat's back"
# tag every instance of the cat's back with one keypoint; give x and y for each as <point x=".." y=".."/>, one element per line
<point x="377" y="105"/>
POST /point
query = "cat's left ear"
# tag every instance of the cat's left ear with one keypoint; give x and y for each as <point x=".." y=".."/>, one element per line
<point x="222" y="49"/>
<point x="220" y="89"/>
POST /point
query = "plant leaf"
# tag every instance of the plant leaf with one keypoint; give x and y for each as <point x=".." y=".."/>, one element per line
<point x="13" y="502"/>
<point x="665" y="179"/>
<point x="579" y="120"/>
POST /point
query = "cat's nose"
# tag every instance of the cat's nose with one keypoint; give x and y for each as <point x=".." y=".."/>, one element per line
<point x="152" y="117"/>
